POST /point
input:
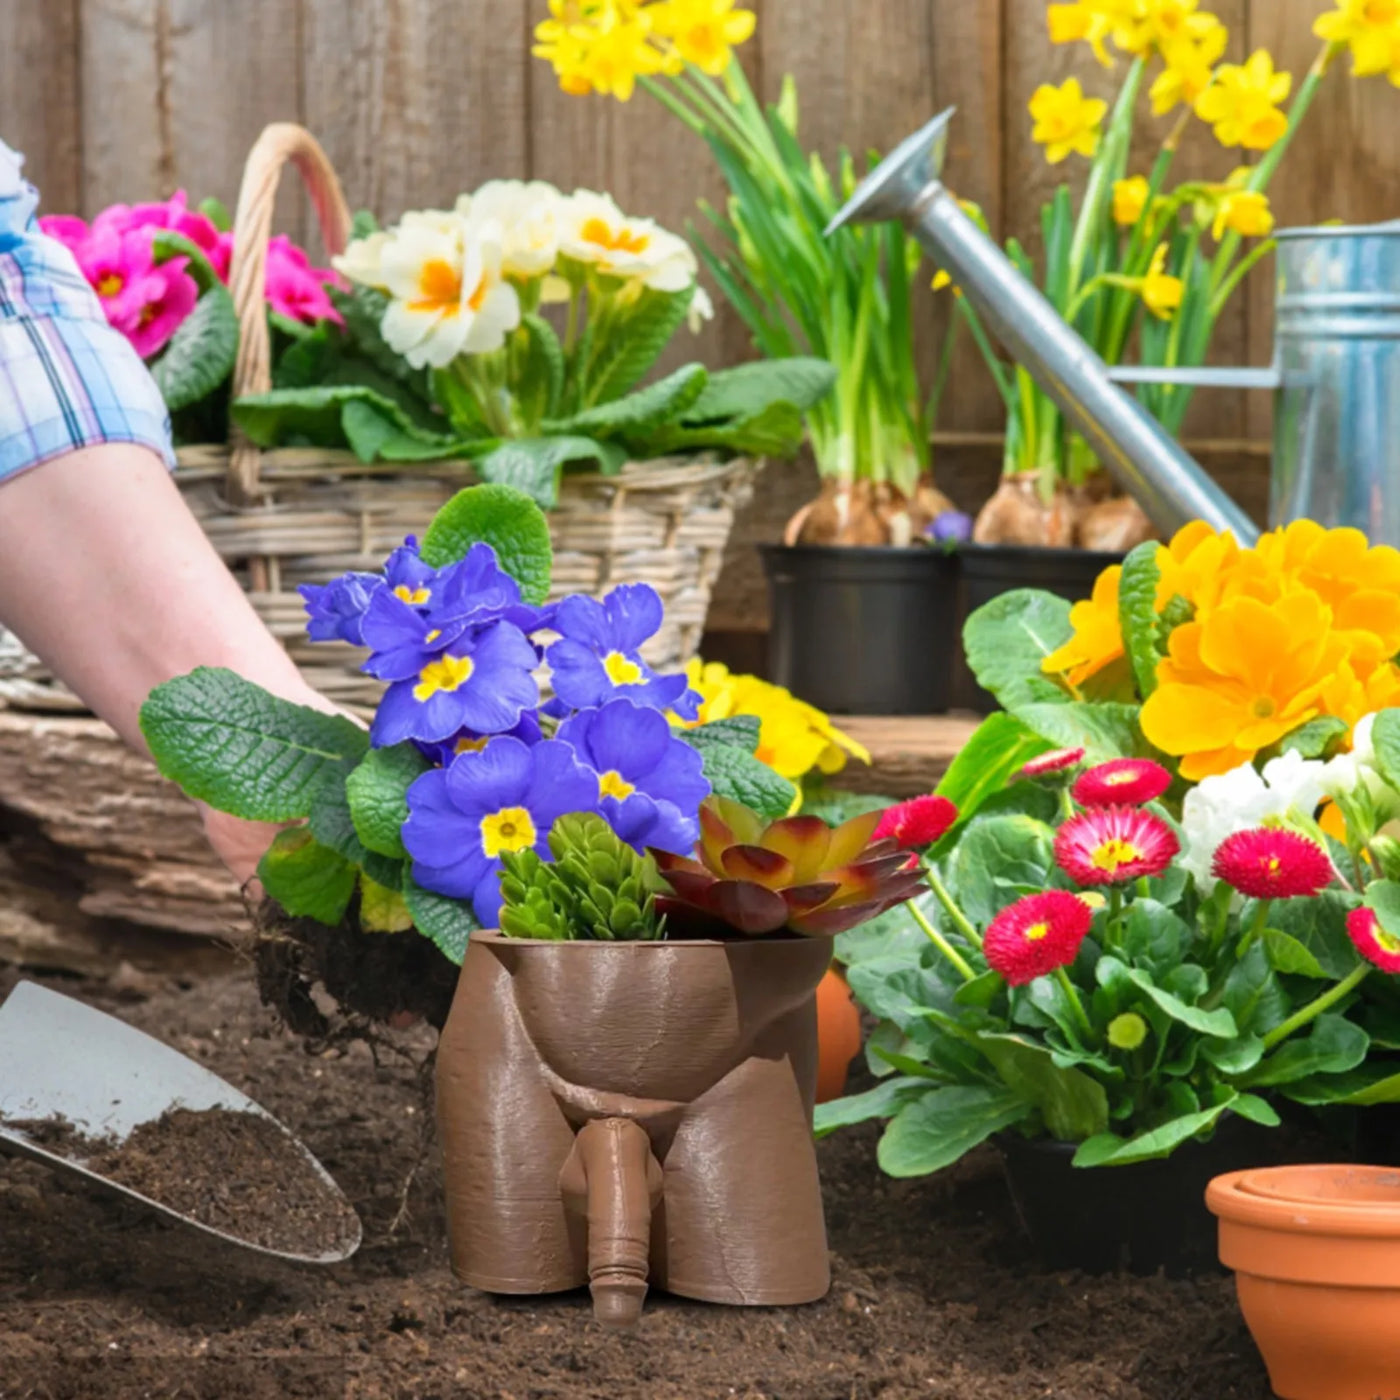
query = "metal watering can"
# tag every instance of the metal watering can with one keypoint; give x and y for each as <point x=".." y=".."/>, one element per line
<point x="1336" y="369"/>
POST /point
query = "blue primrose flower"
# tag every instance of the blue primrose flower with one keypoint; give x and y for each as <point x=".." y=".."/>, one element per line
<point x="336" y="609"/>
<point x="650" y="784"/>
<point x="528" y="731"/>
<point x="408" y="577"/>
<point x="505" y="798"/>
<point x="477" y="590"/>
<point x="598" y="655"/>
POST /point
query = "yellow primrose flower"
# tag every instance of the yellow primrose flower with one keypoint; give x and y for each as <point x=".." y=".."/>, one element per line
<point x="1188" y="66"/>
<point x="704" y="32"/>
<point x="1098" y="635"/>
<point x="594" y="231"/>
<point x="1370" y="29"/>
<point x="599" y="45"/>
<point x="1160" y="291"/>
<point x="1066" y="120"/>
<point x="1130" y="199"/>
<point x="1242" y="103"/>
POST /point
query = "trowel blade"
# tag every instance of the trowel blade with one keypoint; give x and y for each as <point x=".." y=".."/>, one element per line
<point x="61" y="1059"/>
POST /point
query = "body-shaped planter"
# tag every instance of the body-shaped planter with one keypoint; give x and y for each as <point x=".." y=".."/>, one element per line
<point x="613" y="1113"/>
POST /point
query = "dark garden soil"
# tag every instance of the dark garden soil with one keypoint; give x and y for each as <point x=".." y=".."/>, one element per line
<point x="934" y="1295"/>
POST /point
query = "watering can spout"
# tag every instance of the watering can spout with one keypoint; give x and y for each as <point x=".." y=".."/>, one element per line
<point x="1147" y="462"/>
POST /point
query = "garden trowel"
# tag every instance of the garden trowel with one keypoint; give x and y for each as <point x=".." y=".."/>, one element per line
<point x="63" y="1063"/>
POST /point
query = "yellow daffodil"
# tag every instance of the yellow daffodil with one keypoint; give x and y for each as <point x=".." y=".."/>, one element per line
<point x="599" y="46"/>
<point x="704" y="32"/>
<point x="594" y="231"/>
<point x="1244" y="211"/>
<point x="1085" y="20"/>
<point x="794" y="737"/>
<point x="1159" y="24"/>
<point x="1241" y="104"/>
<point x="1066" y="120"/>
<point x="1370" y="29"/>
<point x="941" y="279"/>
<point x="1098" y="635"/>
<point x="1188" y="66"/>
<point x="1130" y="199"/>
<point x="1160" y="291"/>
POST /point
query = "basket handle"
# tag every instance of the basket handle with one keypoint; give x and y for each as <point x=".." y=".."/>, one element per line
<point x="252" y="224"/>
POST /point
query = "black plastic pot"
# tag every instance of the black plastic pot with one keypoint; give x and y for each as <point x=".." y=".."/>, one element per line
<point x="1142" y="1218"/>
<point x="864" y="630"/>
<point x="989" y="570"/>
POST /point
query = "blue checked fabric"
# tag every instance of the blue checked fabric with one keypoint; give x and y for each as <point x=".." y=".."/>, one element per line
<point x="67" y="379"/>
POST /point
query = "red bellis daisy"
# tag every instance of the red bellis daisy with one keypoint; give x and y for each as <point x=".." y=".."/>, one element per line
<point x="1372" y="941"/>
<point x="1056" y="761"/>
<point x="1271" y="862"/>
<point x="1114" y="845"/>
<point x="1121" y="782"/>
<point x="918" y="822"/>
<point x="1036" y="935"/>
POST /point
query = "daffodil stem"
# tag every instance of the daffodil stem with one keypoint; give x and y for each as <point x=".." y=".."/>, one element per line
<point x="941" y="943"/>
<point x="1080" y="1015"/>
<point x="960" y="920"/>
<point x="1317" y="1006"/>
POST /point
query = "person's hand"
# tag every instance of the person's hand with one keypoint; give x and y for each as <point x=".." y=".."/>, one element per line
<point x="239" y="844"/>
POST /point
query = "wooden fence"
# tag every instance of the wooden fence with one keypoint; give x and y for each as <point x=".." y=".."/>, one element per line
<point x="418" y="99"/>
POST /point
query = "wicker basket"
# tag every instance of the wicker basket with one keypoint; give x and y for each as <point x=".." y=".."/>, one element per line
<point x="304" y="515"/>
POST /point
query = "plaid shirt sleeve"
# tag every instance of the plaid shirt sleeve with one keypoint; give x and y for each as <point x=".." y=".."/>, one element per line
<point x="67" y="379"/>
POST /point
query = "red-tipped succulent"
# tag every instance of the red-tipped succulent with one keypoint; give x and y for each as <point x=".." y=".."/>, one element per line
<point x="797" y="874"/>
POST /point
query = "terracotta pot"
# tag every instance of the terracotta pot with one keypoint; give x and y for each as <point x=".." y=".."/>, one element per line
<point x="1316" y="1255"/>
<point x="838" y="1035"/>
<point x="619" y="1113"/>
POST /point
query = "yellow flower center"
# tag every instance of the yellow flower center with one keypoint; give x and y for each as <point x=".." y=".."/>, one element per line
<point x="510" y="829"/>
<point x="447" y="673"/>
<point x="1037" y="931"/>
<point x="615" y="240"/>
<point x="1386" y="941"/>
<point x="416" y="596"/>
<point x="1118" y="779"/>
<point x="620" y="670"/>
<point x="1272" y="865"/>
<point x="613" y="784"/>
<point x="465" y="745"/>
<point x="1113" y="853"/>
<point x="440" y="285"/>
<point x="110" y="285"/>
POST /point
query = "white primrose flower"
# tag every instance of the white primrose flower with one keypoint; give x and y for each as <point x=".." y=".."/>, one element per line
<point x="360" y="261"/>
<point x="1225" y="803"/>
<point x="595" y="231"/>
<point x="529" y="213"/>
<point x="702" y="309"/>
<point x="449" y="297"/>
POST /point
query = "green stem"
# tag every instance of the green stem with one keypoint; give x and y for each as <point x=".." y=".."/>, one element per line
<point x="941" y="943"/>
<point x="1256" y="929"/>
<point x="1317" y="1006"/>
<point x="960" y="920"/>
<point x="1080" y="1015"/>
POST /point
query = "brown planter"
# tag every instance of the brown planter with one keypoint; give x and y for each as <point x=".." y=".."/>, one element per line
<point x="1316" y="1255"/>
<point x="623" y="1113"/>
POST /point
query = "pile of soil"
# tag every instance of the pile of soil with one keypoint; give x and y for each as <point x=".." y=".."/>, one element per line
<point x="935" y="1293"/>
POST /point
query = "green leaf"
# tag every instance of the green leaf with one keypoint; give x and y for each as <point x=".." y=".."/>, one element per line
<point x="216" y="211"/>
<point x="1137" y="614"/>
<point x="776" y="432"/>
<point x="883" y="1101"/>
<point x="201" y="353"/>
<point x="1385" y="735"/>
<point x="1237" y="1056"/>
<point x="738" y="731"/>
<point x="733" y="773"/>
<point x="897" y="989"/>
<point x="332" y="825"/>
<point x="1107" y="1150"/>
<point x="997" y="860"/>
<point x="1103" y="731"/>
<point x="316" y="414"/>
<point x="382" y="908"/>
<point x="506" y="519"/>
<point x="1008" y="638"/>
<point x="378" y="796"/>
<point x="167" y="244"/>
<point x="307" y="879"/>
<point x="1315" y="738"/>
<point x="229" y="743"/>
<point x="747" y="390"/>
<point x="1257" y="1110"/>
<point x="1333" y="1047"/>
<point x="999" y="747"/>
<point x="1219" y="1023"/>
<point x="1253" y="994"/>
<point x="1288" y="955"/>
<point x="533" y="465"/>
<point x="363" y="309"/>
<point x="662" y="402"/>
<point x="636" y="345"/>
<point x="367" y="430"/>
<point x="1373" y="1083"/>
<point x="891" y="934"/>
<point x="1155" y="937"/>
<point x="1073" y="1105"/>
<point x="1319" y="929"/>
<point x="936" y="1129"/>
<point x="541" y="380"/>
<point x="449" y="923"/>
<point x="1383" y="896"/>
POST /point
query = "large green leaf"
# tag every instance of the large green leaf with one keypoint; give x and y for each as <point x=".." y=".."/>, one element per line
<point x="449" y="923"/>
<point x="1254" y="995"/>
<point x="1373" y="1083"/>
<point x="332" y="825"/>
<point x="201" y="353"/>
<point x="997" y="860"/>
<point x="307" y="879"/>
<point x="662" y="402"/>
<point x="1315" y="738"/>
<point x="937" y="1128"/>
<point x="1333" y="1046"/>
<point x="1008" y="638"/>
<point x="506" y="519"/>
<point x="1219" y="1023"/>
<point x="775" y="432"/>
<point x="533" y="466"/>
<point x="891" y="934"/>
<point x="731" y="772"/>
<point x="740" y="731"/>
<point x="378" y="795"/>
<point x="1103" y="731"/>
<point x="999" y="747"/>
<point x="618" y="364"/>
<point x="1385" y="735"/>
<point x="1137" y="614"/>
<point x="899" y="989"/>
<point x="167" y="244"/>
<point x="1073" y="1105"/>
<point x="363" y="309"/>
<point x="883" y="1101"/>
<point x="1316" y="930"/>
<point x="1383" y="899"/>
<point x="229" y="743"/>
<point x="1108" y="1150"/>
<point x="315" y="414"/>
<point x="745" y="391"/>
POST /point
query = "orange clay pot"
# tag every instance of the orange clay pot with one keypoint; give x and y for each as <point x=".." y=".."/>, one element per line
<point x="838" y="1035"/>
<point x="1316" y="1255"/>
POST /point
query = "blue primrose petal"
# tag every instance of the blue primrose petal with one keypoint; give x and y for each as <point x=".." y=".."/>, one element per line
<point x="336" y="610"/>
<point x="632" y="747"/>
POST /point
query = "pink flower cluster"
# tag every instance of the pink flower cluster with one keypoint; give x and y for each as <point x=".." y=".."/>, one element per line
<point x="146" y="300"/>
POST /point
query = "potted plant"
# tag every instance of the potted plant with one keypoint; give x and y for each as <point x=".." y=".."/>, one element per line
<point x="645" y="1013"/>
<point x="1103" y="966"/>
<point x="844" y="601"/>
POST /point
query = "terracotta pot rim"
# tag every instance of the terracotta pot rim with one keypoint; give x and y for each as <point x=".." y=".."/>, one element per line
<point x="497" y="938"/>
<point x="1276" y="1184"/>
<point x="1227" y="1199"/>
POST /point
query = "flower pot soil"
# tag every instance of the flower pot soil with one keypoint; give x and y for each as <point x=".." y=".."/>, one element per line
<point x="935" y="1291"/>
<point x="236" y="1172"/>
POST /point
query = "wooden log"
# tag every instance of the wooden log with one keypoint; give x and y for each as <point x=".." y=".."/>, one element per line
<point x="908" y="754"/>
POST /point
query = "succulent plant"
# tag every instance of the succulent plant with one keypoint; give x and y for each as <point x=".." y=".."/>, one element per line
<point x="597" y="887"/>
<point x="797" y="873"/>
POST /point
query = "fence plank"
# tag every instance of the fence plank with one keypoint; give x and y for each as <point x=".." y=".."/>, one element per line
<point x="39" y="102"/>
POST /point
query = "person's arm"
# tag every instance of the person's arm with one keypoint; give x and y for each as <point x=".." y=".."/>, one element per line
<point x="107" y="577"/>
